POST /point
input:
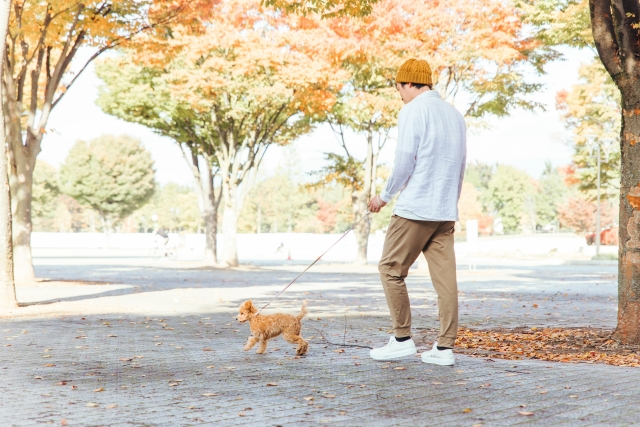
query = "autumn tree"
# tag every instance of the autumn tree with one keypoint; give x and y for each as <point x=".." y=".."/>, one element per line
<point x="7" y="282"/>
<point x="476" y="49"/>
<point x="615" y="33"/>
<point x="550" y="193"/>
<point x="113" y="175"/>
<point x="253" y="79"/>
<point x="42" y="43"/>
<point x="141" y="94"/>
<point x="591" y="109"/>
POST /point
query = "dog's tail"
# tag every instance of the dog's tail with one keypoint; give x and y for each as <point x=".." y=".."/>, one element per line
<point x="303" y="311"/>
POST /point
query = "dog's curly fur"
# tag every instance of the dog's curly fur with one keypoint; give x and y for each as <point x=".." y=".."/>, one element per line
<point x="264" y="327"/>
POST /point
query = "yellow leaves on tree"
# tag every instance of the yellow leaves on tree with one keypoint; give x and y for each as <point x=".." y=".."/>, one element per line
<point x="42" y="42"/>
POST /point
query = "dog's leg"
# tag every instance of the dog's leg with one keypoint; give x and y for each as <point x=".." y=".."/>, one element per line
<point x="303" y="346"/>
<point x="250" y="343"/>
<point x="262" y="348"/>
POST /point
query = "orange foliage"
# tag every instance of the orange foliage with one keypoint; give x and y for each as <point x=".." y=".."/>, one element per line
<point x="552" y="344"/>
<point x="568" y="174"/>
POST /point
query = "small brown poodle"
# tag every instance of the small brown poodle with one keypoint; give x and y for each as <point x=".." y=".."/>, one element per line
<point x="264" y="327"/>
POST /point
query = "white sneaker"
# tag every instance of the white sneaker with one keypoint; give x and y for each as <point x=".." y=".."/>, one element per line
<point x="394" y="350"/>
<point x="439" y="357"/>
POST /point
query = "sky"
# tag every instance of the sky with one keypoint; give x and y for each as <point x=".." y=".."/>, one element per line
<point x="525" y="140"/>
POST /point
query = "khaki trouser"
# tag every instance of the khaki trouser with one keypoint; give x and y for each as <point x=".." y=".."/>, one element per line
<point x="403" y="243"/>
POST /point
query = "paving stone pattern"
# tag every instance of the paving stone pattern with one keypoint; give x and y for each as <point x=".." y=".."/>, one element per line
<point x="156" y="345"/>
<point x="159" y="371"/>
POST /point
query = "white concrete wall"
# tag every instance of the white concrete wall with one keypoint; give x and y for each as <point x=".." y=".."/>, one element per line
<point x="306" y="247"/>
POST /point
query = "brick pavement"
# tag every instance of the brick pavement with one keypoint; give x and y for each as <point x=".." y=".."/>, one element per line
<point x="158" y="372"/>
<point x="163" y="362"/>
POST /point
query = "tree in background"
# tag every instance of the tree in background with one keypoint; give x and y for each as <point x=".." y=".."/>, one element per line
<point x="508" y="190"/>
<point x="253" y="84"/>
<point x="479" y="175"/>
<point x="469" y="205"/>
<point x="176" y="207"/>
<point x="45" y="192"/>
<point x="141" y="94"/>
<point x="592" y="108"/>
<point x="42" y="41"/>
<point x="551" y="192"/>
<point x="113" y="175"/>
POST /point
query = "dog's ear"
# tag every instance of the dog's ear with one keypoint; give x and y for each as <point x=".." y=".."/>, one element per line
<point x="252" y="308"/>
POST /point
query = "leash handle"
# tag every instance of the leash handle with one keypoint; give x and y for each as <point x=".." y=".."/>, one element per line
<point x="317" y="259"/>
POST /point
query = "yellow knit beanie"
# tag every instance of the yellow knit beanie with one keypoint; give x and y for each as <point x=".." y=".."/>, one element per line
<point x="415" y="71"/>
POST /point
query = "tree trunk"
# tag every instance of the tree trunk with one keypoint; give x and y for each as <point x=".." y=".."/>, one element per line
<point x="360" y="204"/>
<point x="7" y="285"/>
<point x="21" y="178"/>
<point x="618" y="44"/>
<point x="628" y="329"/>
<point x="230" y="232"/>
<point x="210" y="217"/>
<point x="207" y="203"/>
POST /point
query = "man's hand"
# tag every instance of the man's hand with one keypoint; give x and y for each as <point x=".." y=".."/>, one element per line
<point x="376" y="204"/>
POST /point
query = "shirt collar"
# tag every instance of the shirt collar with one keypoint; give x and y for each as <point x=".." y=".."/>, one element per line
<point x="428" y="94"/>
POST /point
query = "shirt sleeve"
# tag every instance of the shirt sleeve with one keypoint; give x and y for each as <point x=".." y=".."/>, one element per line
<point x="405" y="159"/>
<point x="464" y="161"/>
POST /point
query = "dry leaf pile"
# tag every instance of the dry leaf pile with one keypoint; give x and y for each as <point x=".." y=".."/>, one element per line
<point x="572" y="345"/>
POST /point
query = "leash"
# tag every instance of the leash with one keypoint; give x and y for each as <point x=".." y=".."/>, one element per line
<point x="311" y="265"/>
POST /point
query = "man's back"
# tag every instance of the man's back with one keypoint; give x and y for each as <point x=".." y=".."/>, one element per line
<point x="430" y="159"/>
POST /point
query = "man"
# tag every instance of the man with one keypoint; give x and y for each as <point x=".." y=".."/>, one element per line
<point x="162" y="238"/>
<point x="429" y="167"/>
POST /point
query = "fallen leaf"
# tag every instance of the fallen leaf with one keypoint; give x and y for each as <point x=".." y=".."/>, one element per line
<point x="535" y="305"/>
<point x="272" y="384"/>
<point x="112" y="406"/>
<point x="573" y="396"/>
<point x="47" y="356"/>
<point x="98" y="390"/>
<point x="62" y="383"/>
<point x="466" y="410"/>
<point x="543" y="391"/>
<point x="242" y="414"/>
<point x="308" y="398"/>
<point x="48" y="365"/>
<point x="207" y="349"/>
<point x="342" y="412"/>
<point x="210" y="367"/>
<point x="363" y="386"/>
<point x="512" y="375"/>
<point x="126" y="359"/>
<point x="339" y="351"/>
<point x="92" y="405"/>
<point x="385" y="366"/>
<point x="209" y="394"/>
<point x="400" y="368"/>
<point x="112" y="336"/>
<point x="64" y="422"/>
<point x="329" y="396"/>
<point x="436" y="383"/>
<point x="525" y="413"/>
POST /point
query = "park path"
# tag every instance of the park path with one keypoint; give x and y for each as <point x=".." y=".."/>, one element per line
<point x="156" y="344"/>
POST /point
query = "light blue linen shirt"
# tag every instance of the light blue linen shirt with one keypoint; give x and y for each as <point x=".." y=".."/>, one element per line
<point x="430" y="160"/>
